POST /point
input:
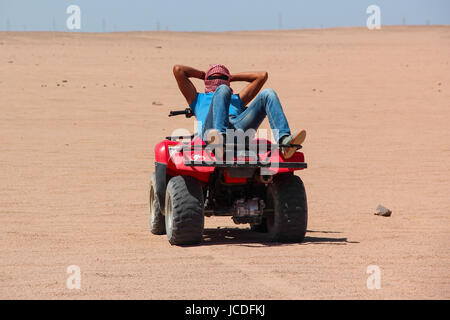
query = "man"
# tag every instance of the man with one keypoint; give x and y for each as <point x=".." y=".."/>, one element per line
<point x="219" y="109"/>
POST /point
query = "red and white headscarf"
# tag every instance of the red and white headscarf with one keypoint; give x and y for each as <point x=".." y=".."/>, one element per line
<point x="211" y="85"/>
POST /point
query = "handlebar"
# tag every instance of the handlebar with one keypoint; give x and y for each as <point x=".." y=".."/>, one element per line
<point x="187" y="112"/>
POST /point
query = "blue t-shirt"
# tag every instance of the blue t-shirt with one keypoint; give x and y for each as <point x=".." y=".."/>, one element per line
<point x="202" y="102"/>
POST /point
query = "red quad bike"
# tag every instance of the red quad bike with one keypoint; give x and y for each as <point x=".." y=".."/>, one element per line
<point x="249" y="181"/>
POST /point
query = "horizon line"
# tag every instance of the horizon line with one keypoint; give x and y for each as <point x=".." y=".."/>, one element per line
<point x="226" y="31"/>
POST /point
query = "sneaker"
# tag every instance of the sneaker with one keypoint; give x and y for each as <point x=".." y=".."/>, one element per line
<point x="299" y="138"/>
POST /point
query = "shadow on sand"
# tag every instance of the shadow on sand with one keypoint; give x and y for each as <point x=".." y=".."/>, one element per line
<point x="246" y="237"/>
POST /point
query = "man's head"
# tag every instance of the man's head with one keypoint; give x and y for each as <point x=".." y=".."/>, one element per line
<point x="216" y="75"/>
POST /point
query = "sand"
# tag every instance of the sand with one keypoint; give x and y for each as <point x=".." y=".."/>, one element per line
<point x="81" y="113"/>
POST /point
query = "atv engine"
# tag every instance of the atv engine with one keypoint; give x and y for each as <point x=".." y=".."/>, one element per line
<point x="248" y="211"/>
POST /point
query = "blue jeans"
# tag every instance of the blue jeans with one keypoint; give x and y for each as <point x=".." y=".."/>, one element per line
<point x="265" y="103"/>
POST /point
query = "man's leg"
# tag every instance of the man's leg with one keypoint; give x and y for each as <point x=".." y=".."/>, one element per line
<point x="217" y="117"/>
<point x="265" y="103"/>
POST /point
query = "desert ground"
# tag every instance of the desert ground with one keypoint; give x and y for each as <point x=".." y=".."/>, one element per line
<point x="81" y="114"/>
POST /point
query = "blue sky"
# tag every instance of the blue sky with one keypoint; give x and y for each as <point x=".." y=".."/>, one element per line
<point x="204" y="15"/>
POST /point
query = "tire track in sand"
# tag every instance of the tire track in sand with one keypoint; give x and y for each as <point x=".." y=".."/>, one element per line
<point x="258" y="274"/>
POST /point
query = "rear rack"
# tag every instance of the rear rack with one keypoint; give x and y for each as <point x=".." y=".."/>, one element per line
<point x="242" y="164"/>
<point x="235" y="148"/>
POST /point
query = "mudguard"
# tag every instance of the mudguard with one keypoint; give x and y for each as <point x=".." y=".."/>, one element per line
<point x="161" y="183"/>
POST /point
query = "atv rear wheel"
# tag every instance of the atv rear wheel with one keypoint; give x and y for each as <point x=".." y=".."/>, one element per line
<point x="155" y="216"/>
<point x="184" y="214"/>
<point x="287" y="196"/>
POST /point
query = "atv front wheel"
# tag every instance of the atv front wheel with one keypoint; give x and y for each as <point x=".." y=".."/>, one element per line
<point x="156" y="218"/>
<point x="184" y="215"/>
<point x="287" y="197"/>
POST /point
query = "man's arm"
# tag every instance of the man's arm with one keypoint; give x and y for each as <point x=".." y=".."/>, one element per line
<point x="187" y="88"/>
<point x="256" y="79"/>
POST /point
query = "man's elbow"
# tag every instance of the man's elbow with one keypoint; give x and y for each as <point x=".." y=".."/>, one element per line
<point x="177" y="70"/>
<point x="264" y="75"/>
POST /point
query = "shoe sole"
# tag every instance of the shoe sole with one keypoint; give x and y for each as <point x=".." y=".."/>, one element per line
<point x="298" y="139"/>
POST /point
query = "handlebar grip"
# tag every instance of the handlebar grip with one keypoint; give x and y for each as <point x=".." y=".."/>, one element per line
<point x="187" y="112"/>
<point x="176" y="113"/>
